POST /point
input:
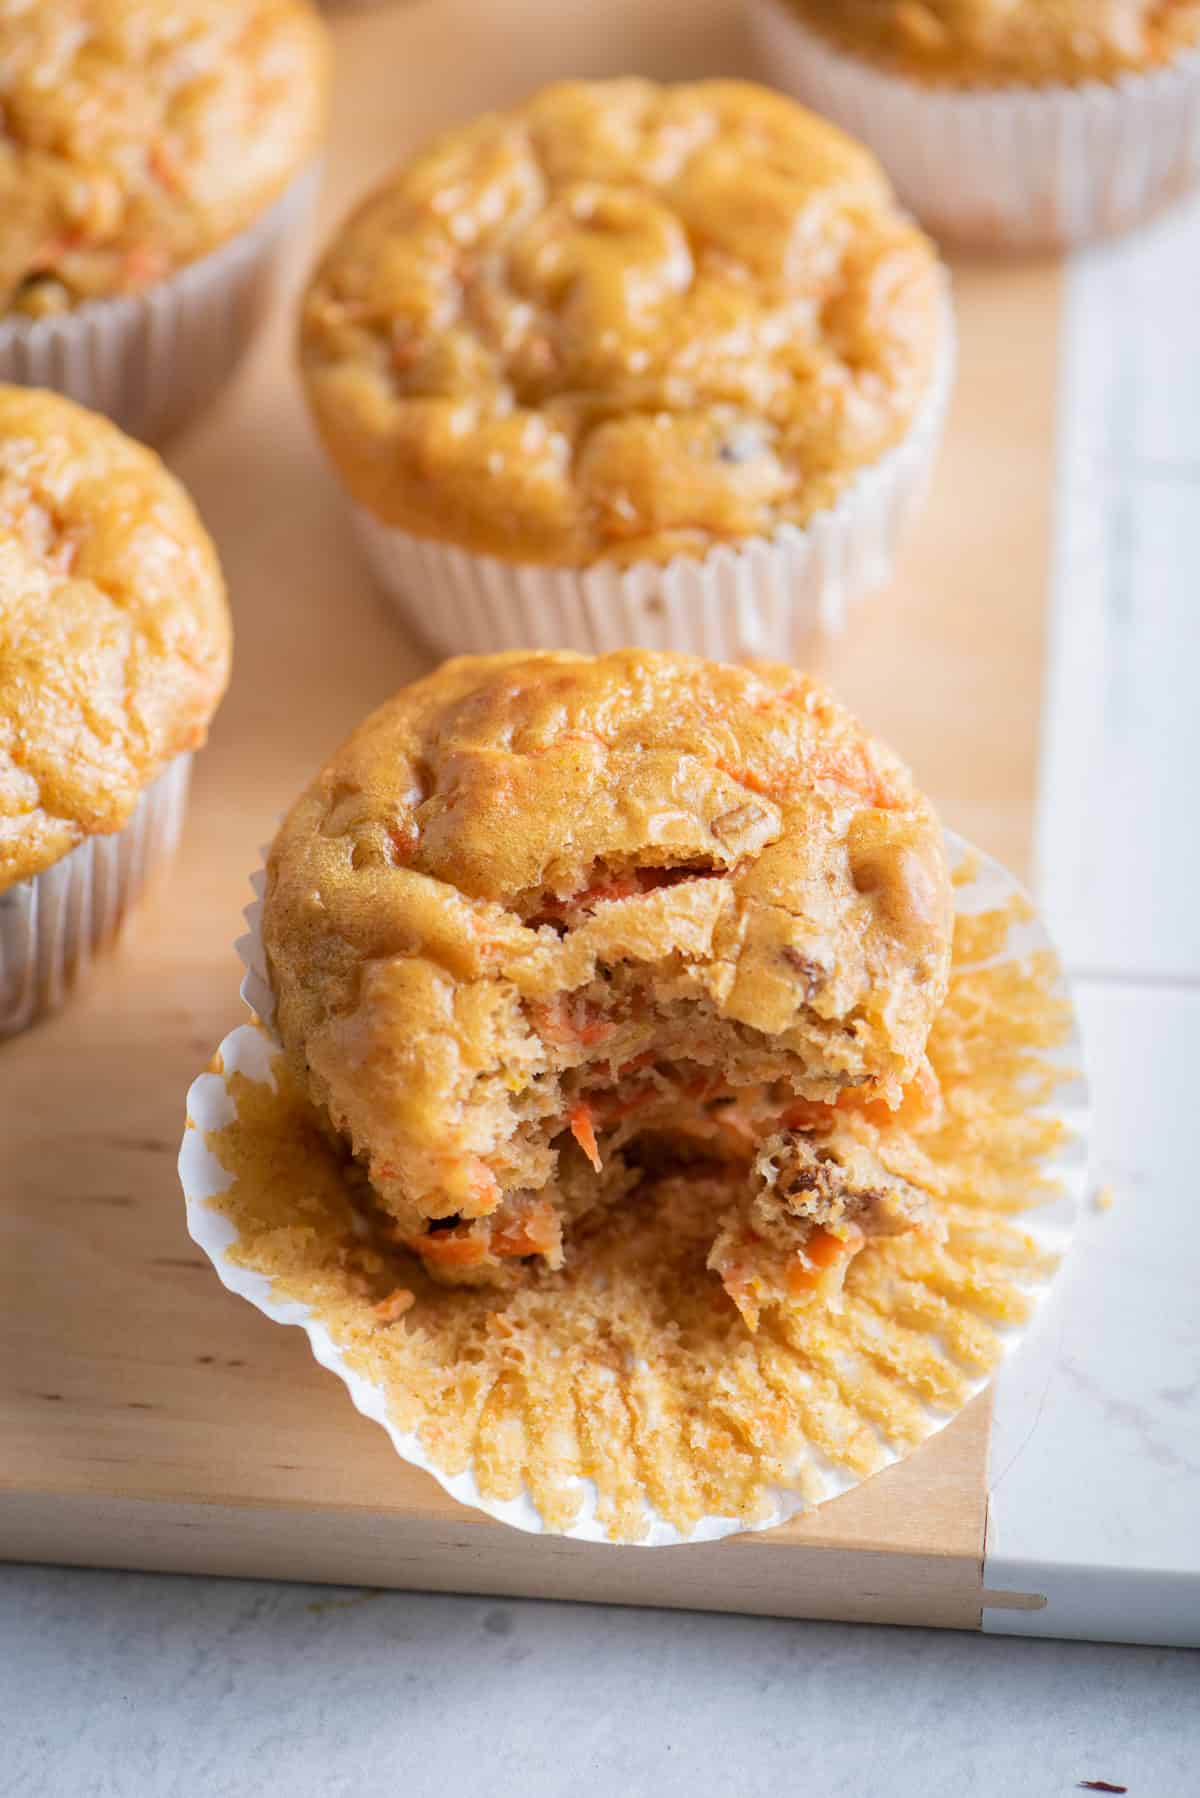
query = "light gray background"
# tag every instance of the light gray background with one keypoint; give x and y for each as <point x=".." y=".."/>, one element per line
<point x="138" y="1686"/>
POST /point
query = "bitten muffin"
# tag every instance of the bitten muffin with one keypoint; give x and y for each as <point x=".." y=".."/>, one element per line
<point x="1007" y="123"/>
<point x="155" y="164"/>
<point x="999" y="43"/>
<point x="622" y="323"/>
<point x="114" y="650"/>
<point x="547" y="925"/>
<point x="138" y="137"/>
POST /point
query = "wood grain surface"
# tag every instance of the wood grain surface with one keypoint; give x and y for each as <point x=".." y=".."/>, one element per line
<point x="148" y="1418"/>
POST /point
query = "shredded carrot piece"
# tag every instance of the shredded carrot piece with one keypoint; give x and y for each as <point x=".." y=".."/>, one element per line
<point x="449" y="1248"/>
<point x="393" y="1307"/>
<point x="920" y="1103"/>
<point x="824" y="1249"/>
<point x="594" y="1032"/>
<point x="584" y="1131"/>
<point x="563" y="1022"/>
<point x="600" y="892"/>
<point x="483" y="1190"/>
<point x="536" y="1232"/>
<point x="603" y="892"/>
<point x="402" y="838"/>
<point x="754" y="783"/>
<point x="854" y="770"/>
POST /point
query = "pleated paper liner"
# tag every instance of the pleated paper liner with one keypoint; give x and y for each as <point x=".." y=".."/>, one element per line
<point x="1004" y="168"/>
<point x="53" y="924"/>
<point x="760" y="597"/>
<point x="623" y="1399"/>
<point x="153" y="361"/>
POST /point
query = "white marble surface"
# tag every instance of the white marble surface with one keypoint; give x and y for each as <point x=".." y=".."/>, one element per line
<point x="1118" y="843"/>
<point x="129" y="1686"/>
<point x="1095" y="1454"/>
<point x="1096" y="1449"/>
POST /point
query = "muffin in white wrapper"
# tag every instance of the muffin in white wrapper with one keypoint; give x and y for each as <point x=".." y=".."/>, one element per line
<point x="660" y="366"/>
<point x="153" y="361"/>
<point x="115" y="647"/>
<point x="759" y="597"/>
<point x="52" y="924"/>
<point x="559" y="1435"/>
<point x="1011" y="168"/>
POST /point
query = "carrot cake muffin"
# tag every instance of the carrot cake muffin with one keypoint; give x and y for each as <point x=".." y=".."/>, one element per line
<point x="137" y="137"/>
<point x="999" y="43"/>
<point x="136" y="140"/>
<point x="114" y="653"/>
<point x="623" y="1397"/>
<point x="1039" y="122"/>
<point x="620" y="324"/>
<point x="547" y="925"/>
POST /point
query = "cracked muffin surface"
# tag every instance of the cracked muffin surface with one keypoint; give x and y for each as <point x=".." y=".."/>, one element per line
<point x="621" y="321"/>
<point x="114" y="632"/>
<point x="1009" y="43"/>
<point x="545" y="917"/>
<point x="135" y="137"/>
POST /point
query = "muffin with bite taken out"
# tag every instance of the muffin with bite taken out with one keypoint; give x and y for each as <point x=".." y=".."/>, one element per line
<point x="549" y="925"/>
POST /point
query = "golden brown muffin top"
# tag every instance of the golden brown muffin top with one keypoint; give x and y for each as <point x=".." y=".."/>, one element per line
<point x="114" y="633"/>
<point x="1010" y="43"/>
<point x="136" y="136"/>
<point x="507" y="833"/>
<point x="621" y="321"/>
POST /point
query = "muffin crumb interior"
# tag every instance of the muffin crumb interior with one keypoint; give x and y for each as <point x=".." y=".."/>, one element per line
<point x="628" y="1367"/>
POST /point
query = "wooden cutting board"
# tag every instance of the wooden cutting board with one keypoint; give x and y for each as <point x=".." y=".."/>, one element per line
<point x="148" y="1418"/>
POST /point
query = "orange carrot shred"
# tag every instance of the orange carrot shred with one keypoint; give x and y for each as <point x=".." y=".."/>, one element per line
<point x="393" y="1307"/>
<point x="534" y="1233"/>
<point x="449" y="1248"/>
<point x="584" y="1131"/>
<point x="824" y="1249"/>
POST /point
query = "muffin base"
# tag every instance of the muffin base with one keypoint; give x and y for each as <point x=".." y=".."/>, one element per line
<point x="821" y="1403"/>
<point x="1005" y="168"/>
<point x="152" y="361"/>
<point x="762" y="597"/>
<point x="52" y="924"/>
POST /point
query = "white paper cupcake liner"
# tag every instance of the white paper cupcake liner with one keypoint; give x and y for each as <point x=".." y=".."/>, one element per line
<point x="249" y="1050"/>
<point x="760" y="598"/>
<point x="1009" y="168"/>
<point x="52" y="924"/>
<point x="152" y="361"/>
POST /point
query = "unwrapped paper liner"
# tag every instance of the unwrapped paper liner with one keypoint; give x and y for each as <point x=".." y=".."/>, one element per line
<point x="152" y="361"/>
<point x="52" y="924"/>
<point x="250" y="1050"/>
<point x="1007" y="168"/>
<point x="762" y="597"/>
